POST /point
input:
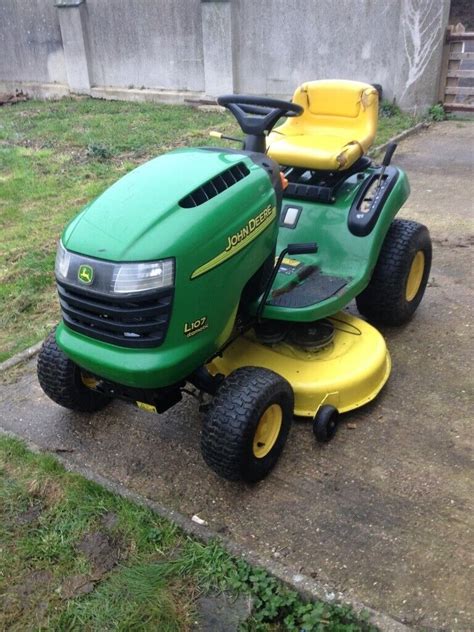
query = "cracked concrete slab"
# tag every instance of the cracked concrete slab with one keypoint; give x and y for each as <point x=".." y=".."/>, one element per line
<point x="383" y="514"/>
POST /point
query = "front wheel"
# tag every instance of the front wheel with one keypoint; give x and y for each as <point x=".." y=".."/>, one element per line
<point x="400" y="275"/>
<point x="62" y="380"/>
<point x="247" y="425"/>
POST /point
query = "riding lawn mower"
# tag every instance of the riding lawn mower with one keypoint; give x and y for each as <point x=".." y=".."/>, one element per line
<point x="229" y="270"/>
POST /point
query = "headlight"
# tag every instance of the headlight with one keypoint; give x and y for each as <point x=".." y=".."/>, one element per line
<point x="107" y="277"/>
<point x="63" y="257"/>
<point x="140" y="277"/>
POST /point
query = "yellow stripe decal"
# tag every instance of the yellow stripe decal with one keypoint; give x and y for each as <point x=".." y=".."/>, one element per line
<point x="237" y="242"/>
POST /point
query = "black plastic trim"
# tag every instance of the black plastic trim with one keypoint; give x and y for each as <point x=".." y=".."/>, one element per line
<point x="141" y="322"/>
<point x="362" y="224"/>
<point x="319" y="186"/>
<point x="283" y="213"/>
<point x="219" y="183"/>
<point x="262" y="160"/>
<point x="273" y="171"/>
<point x="309" y="192"/>
<point x="161" y="398"/>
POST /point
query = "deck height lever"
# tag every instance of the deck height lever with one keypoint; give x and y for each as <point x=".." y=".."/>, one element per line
<point x="291" y="249"/>
<point x="387" y="159"/>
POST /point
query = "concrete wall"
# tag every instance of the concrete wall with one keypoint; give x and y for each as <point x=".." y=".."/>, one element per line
<point x="176" y="49"/>
<point x="149" y="43"/>
<point x="321" y="39"/>
<point x="31" y="48"/>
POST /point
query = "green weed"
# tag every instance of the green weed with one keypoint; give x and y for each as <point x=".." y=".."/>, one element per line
<point x="387" y="109"/>
<point x="437" y="112"/>
<point x="98" y="152"/>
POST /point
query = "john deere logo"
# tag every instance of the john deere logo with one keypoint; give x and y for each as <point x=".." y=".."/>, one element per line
<point x="85" y="274"/>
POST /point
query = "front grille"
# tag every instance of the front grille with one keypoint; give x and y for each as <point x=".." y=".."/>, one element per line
<point x="139" y="322"/>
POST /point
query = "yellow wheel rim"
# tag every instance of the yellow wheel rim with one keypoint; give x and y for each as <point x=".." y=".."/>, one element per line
<point x="415" y="275"/>
<point x="267" y="432"/>
<point x="89" y="381"/>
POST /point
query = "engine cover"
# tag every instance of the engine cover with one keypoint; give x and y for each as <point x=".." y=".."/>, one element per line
<point x="215" y="214"/>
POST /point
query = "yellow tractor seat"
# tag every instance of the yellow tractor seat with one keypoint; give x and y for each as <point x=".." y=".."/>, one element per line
<point x="336" y="128"/>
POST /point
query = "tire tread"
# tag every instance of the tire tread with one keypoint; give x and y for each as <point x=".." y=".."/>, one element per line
<point x="59" y="378"/>
<point x="227" y="429"/>
<point x="383" y="300"/>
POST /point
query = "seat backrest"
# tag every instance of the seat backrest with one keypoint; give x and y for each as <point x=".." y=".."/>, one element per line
<point x="338" y="105"/>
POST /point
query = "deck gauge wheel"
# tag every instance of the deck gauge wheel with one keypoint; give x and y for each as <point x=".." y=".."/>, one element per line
<point x="325" y="423"/>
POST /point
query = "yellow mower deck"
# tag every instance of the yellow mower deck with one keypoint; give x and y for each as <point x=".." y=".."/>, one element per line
<point x="347" y="374"/>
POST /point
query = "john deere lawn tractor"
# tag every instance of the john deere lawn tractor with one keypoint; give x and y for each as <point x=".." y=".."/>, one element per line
<point x="227" y="269"/>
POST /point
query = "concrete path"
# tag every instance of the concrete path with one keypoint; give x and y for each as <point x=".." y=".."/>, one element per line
<point x="382" y="514"/>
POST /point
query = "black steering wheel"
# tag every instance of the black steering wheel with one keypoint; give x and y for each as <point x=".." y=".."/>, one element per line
<point x="257" y="115"/>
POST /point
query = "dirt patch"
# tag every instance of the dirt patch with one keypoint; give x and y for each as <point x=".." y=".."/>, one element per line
<point x="28" y="595"/>
<point x="32" y="582"/>
<point x="221" y="613"/>
<point x="31" y="515"/>
<point x="466" y="241"/>
<point x="76" y="585"/>
<point x="10" y="99"/>
<point x="101" y="550"/>
<point x="109" y="520"/>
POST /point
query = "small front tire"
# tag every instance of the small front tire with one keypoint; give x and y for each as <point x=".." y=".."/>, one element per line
<point x="247" y="425"/>
<point x="62" y="381"/>
<point x="325" y="423"/>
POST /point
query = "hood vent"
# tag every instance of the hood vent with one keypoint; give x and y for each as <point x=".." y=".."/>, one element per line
<point x="217" y="185"/>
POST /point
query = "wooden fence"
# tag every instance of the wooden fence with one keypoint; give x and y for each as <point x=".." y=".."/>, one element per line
<point x="457" y="73"/>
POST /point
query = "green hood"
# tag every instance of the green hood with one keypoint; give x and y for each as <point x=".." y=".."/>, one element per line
<point x="139" y="217"/>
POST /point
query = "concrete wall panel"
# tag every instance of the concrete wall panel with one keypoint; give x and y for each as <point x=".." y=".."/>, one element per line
<point x="146" y="43"/>
<point x="282" y="43"/>
<point x="31" y="47"/>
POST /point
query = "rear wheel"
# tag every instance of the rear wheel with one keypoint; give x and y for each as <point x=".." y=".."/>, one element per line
<point x="400" y="275"/>
<point x="247" y="425"/>
<point x="62" y="380"/>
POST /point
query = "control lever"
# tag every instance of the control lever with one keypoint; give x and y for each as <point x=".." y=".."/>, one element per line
<point x="387" y="159"/>
<point x="291" y="249"/>
<point x="301" y="249"/>
<point x="215" y="134"/>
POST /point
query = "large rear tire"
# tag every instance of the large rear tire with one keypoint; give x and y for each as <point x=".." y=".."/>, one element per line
<point x="61" y="380"/>
<point x="247" y="425"/>
<point x="400" y="275"/>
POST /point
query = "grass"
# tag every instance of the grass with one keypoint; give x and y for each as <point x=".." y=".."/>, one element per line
<point x="74" y="556"/>
<point x="55" y="157"/>
<point x="393" y="122"/>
